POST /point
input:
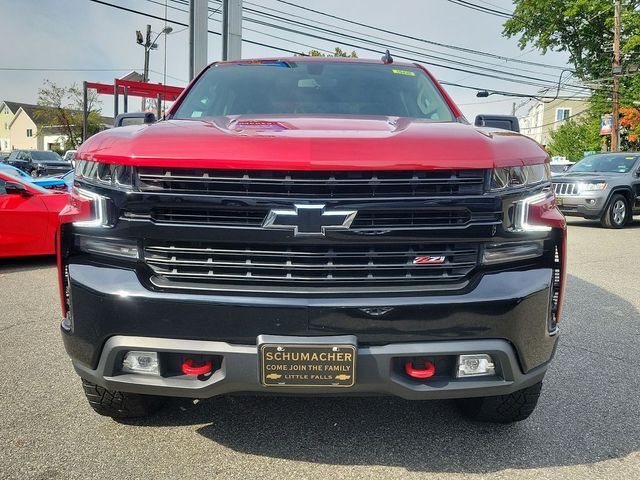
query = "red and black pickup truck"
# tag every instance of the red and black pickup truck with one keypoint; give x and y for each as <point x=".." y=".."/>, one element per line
<point x="312" y="226"/>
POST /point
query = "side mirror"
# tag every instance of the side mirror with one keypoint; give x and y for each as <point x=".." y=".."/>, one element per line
<point x="506" y="122"/>
<point x="134" y="118"/>
<point x="14" y="188"/>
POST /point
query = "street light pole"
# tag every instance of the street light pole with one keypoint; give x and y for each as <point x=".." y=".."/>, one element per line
<point x="148" y="45"/>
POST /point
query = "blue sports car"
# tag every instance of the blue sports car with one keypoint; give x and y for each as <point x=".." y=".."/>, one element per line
<point x="45" y="182"/>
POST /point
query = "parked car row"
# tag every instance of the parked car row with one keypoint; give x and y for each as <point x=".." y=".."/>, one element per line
<point x="38" y="163"/>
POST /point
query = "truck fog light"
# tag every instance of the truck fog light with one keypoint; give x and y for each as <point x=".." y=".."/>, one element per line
<point x="511" y="252"/>
<point x="111" y="247"/>
<point x="591" y="201"/>
<point x="475" y="365"/>
<point x="141" y="362"/>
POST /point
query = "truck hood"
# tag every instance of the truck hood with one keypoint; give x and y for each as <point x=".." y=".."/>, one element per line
<point x="312" y="143"/>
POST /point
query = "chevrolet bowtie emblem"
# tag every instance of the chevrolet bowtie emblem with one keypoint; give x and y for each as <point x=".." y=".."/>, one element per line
<point x="309" y="219"/>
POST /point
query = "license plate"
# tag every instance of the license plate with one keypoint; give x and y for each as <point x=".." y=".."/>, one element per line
<point x="559" y="201"/>
<point x="307" y="365"/>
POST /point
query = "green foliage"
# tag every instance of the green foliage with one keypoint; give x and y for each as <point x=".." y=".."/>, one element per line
<point x="583" y="28"/>
<point x="62" y="109"/>
<point x="338" y="52"/>
<point x="574" y="138"/>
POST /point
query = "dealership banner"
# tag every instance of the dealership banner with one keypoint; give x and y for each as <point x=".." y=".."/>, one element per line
<point x="606" y="124"/>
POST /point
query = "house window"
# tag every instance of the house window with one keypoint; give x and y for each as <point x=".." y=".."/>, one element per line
<point x="29" y="132"/>
<point x="562" y="114"/>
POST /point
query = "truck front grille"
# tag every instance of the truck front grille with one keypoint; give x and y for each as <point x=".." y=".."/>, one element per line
<point x="311" y="184"/>
<point x="318" y="266"/>
<point x="565" y="188"/>
<point x="387" y="219"/>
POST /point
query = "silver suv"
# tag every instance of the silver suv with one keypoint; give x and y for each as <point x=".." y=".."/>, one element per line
<point x="602" y="187"/>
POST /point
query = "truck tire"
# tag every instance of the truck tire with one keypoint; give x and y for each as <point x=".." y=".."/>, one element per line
<point x="514" y="407"/>
<point x="616" y="215"/>
<point x="120" y="404"/>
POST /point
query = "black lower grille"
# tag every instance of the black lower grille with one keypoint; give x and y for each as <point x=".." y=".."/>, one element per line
<point x="311" y="184"/>
<point x="313" y="265"/>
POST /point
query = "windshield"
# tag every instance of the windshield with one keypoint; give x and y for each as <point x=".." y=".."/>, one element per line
<point x="605" y="164"/>
<point x="329" y="88"/>
<point x="46" y="157"/>
<point x="16" y="172"/>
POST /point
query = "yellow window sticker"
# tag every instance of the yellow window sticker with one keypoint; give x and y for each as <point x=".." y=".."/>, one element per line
<point x="408" y="73"/>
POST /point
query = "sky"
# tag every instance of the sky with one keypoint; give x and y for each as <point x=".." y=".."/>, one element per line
<point x="39" y="37"/>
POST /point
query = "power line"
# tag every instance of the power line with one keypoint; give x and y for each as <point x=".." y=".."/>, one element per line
<point x="422" y="40"/>
<point x="252" y="42"/>
<point x="384" y="44"/>
<point x="300" y="53"/>
<point x="333" y="28"/>
<point x="244" y="28"/>
<point x="480" y="8"/>
<point x="496" y="74"/>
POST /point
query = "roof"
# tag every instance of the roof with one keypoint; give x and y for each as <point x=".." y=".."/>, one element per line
<point x="133" y="76"/>
<point x="31" y="109"/>
<point x="15" y="106"/>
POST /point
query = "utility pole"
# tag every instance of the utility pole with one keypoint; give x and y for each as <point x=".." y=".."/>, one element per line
<point x="147" y="49"/>
<point x="231" y="29"/>
<point x="617" y="69"/>
<point x="198" y="31"/>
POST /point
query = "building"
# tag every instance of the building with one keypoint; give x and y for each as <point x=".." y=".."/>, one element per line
<point x="20" y="129"/>
<point x="8" y="110"/>
<point x="543" y="118"/>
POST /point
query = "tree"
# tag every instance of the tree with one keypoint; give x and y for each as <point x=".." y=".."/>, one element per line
<point x="631" y="122"/>
<point x="62" y="109"/>
<point x="583" y="28"/>
<point x="575" y="137"/>
<point x="338" y="52"/>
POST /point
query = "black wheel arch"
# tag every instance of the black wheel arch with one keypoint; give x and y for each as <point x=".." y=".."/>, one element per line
<point x="623" y="190"/>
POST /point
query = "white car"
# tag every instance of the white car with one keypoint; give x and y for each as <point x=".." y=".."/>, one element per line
<point x="70" y="156"/>
<point x="559" y="165"/>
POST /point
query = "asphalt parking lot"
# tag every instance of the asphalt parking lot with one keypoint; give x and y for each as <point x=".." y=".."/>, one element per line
<point x="587" y="425"/>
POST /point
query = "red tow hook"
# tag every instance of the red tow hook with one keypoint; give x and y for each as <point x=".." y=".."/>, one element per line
<point x="428" y="371"/>
<point x="189" y="369"/>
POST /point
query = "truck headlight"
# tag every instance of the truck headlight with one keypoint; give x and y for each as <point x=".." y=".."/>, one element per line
<point x="505" y="178"/>
<point x="105" y="174"/>
<point x="591" y="187"/>
<point x="98" y="206"/>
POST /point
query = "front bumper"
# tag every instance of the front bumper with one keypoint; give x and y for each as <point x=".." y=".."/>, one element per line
<point x="504" y="313"/>
<point x="377" y="368"/>
<point x="590" y="205"/>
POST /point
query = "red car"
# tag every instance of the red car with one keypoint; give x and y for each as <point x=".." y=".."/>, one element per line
<point x="28" y="217"/>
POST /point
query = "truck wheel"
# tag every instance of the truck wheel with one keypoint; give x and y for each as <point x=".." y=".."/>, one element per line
<point x="515" y="407"/>
<point x="616" y="214"/>
<point x="120" y="404"/>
